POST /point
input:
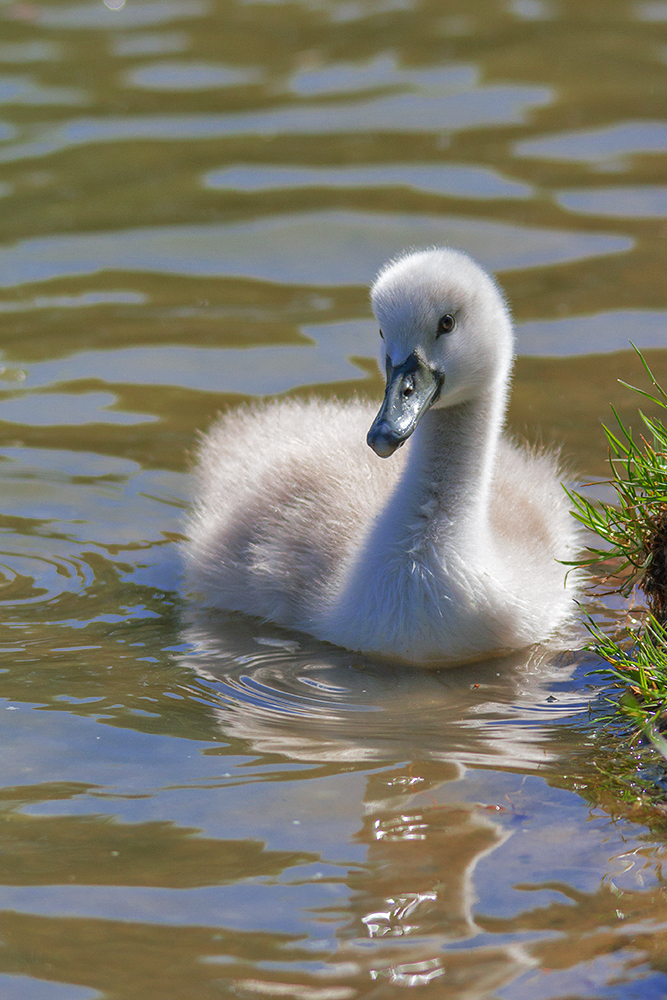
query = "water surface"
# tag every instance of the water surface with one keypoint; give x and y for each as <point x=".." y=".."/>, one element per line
<point x="194" y="197"/>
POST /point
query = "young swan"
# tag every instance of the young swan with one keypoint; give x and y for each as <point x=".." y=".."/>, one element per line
<point x="446" y="551"/>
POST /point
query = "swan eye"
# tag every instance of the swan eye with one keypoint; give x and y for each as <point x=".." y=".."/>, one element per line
<point x="381" y="335"/>
<point x="446" y="324"/>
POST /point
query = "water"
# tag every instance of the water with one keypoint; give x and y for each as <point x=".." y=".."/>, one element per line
<point x="194" y="196"/>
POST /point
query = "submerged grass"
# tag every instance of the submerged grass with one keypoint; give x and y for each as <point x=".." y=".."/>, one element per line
<point x="639" y="664"/>
<point x="633" y="532"/>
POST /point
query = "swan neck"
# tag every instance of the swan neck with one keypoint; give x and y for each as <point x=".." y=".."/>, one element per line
<point x="453" y="455"/>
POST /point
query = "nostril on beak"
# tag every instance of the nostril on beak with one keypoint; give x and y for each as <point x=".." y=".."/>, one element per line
<point x="408" y="389"/>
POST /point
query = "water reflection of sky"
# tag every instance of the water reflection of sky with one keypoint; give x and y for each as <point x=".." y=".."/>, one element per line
<point x="188" y="76"/>
<point x="266" y="370"/>
<point x="22" y="90"/>
<point x="321" y="248"/>
<point x="132" y="219"/>
<point x="30" y="52"/>
<point x="51" y="409"/>
<point x="383" y="71"/>
<point x="14" y="988"/>
<point x="82" y="301"/>
<point x="485" y="105"/>
<point x="649" y="202"/>
<point x="83" y="16"/>
<point x="600" y="144"/>
<point x="148" y="43"/>
<point x="458" y="180"/>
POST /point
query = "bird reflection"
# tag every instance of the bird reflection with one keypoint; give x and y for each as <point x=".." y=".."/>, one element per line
<point x="414" y="898"/>
<point x="411" y="905"/>
<point x="285" y="692"/>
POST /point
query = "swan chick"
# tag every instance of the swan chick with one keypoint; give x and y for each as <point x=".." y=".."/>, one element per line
<point x="442" y="551"/>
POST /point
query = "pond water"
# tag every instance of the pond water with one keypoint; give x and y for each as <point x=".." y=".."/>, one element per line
<point x="194" y="197"/>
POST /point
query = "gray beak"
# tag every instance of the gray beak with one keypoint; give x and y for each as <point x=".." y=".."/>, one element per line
<point x="411" y="388"/>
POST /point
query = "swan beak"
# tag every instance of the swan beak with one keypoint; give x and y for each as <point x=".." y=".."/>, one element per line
<point x="411" y="388"/>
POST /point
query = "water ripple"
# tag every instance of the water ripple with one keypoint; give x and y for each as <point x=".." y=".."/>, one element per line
<point x="285" y="692"/>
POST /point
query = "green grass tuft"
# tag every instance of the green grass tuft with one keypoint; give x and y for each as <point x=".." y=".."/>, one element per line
<point x="634" y="529"/>
<point x="634" y="554"/>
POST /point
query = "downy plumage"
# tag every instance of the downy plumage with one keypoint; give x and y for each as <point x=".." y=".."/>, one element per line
<point x="446" y="551"/>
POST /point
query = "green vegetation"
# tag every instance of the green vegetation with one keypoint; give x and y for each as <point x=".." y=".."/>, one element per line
<point x="639" y="663"/>
<point x="634" y="554"/>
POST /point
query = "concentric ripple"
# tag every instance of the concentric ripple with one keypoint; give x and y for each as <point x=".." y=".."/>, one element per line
<point x="285" y="692"/>
<point x="31" y="577"/>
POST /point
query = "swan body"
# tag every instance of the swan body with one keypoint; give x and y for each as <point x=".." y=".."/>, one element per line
<point x="445" y="550"/>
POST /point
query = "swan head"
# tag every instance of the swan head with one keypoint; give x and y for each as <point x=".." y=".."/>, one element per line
<point x="446" y="339"/>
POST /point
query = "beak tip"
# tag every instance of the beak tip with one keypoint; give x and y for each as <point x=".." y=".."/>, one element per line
<point x="382" y="443"/>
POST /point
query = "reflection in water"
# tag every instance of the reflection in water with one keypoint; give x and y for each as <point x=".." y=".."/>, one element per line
<point x="279" y="247"/>
<point x="195" y="195"/>
<point x="82" y="16"/>
<point x="147" y="44"/>
<point x="418" y="883"/>
<point x="337" y="78"/>
<point x="600" y="146"/>
<point x="188" y="76"/>
<point x="490" y="106"/>
<point x="461" y="181"/>
<point x="426" y="829"/>
<point x="640" y="202"/>
<point x="284" y="692"/>
<point x="414" y="894"/>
